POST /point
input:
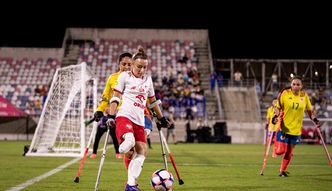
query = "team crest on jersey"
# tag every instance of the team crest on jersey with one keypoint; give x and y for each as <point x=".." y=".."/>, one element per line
<point x="129" y="126"/>
<point x="290" y="98"/>
<point x="301" y="99"/>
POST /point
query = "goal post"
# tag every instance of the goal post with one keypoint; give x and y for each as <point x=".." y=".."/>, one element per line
<point x="62" y="129"/>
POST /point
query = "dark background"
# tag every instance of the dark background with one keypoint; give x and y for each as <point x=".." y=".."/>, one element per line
<point x="275" y="31"/>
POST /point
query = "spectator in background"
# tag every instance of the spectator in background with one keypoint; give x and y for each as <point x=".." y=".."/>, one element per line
<point x="275" y="85"/>
<point x="190" y="137"/>
<point x="213" y="78"/>
<point x="189" y="113"/>
<point x="258" y="88"/>
<point x="238" y="78"/>
<point x="171" y="129"/>
<point x="220" y="79"/>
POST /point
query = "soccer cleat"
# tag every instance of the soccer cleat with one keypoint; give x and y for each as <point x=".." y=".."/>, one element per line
<point x="132" y="188"/>
<point x="118" y="156"/>
<point x="284" y="174"/>
<point x="93" y="156"/>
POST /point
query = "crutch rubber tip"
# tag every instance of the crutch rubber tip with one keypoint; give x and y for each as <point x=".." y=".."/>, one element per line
<point x="181" y="182"/>
<point x="262" y="174"/>
<point x="77" y="179"/>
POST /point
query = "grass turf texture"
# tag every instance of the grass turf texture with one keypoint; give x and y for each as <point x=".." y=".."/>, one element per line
<point x="203" y="167"/>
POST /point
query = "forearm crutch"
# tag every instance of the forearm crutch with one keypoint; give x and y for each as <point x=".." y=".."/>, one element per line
<point x="77" y="179"/>
<point x="162" y="148"/>
<point x="171" y="158"/>
<point x="102" y="159"/>
<point x="324" y="146"/>
<point x="150" y="107"/>
<point x="163" y="142"/>
<point x="267" y="152"/>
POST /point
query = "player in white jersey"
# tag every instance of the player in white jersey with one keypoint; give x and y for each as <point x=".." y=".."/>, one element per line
<point x="134" y="88"/>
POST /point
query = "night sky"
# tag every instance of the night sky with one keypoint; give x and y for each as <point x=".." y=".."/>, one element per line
<point x="236" y="33"/>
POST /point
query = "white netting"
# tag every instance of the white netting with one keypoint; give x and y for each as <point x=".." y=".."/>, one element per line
<point x="70" y="103"/>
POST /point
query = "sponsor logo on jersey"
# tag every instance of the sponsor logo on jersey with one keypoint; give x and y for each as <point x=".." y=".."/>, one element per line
<point x="140" y="97"/>
<point x="139" y="105"/>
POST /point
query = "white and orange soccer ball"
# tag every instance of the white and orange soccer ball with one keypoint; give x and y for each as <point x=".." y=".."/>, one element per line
<point x="162" y="180"/>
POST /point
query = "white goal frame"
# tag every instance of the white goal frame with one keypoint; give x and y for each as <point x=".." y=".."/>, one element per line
<point x="72" y="99"/>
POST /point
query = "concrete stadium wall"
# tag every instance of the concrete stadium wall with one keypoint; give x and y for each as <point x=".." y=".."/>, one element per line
<point x="245" y="132"/>
<point x="32" y="53"/>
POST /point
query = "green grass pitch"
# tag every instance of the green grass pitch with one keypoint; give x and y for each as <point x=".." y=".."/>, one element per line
<point x="203" y="167"/>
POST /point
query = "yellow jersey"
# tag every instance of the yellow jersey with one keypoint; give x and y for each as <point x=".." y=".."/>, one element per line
<point x="292" y="111"/>
<point x="108" y="91"/>
<point x="269" y="116"/>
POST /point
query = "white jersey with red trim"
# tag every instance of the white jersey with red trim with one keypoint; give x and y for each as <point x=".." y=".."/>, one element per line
<point x="135" y="92"/>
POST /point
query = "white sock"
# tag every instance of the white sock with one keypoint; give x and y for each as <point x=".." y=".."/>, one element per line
<point x="135" y="169"/>
<point x="128" y="143"/>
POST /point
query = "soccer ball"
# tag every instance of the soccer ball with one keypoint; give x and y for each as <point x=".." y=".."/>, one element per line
<point x="162" y="180"/>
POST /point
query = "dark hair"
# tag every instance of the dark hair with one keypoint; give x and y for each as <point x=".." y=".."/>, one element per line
<point x="140" y="54"/>
<point x="125" y="54"/>
<point x="296" y="78"/>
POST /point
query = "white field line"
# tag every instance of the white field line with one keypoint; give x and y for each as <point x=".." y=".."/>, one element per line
<point x="47" y="174"/>
<point x="39" y="178"/>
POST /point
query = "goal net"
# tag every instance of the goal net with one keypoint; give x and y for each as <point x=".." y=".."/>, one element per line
<point x="62" y="129"/>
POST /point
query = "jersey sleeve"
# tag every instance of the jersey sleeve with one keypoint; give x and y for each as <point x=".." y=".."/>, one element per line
<point x="107" y="94"/>
<point x="151" y="88"/>
<point x="280" y="101"/>
<point x="120" y="84"/>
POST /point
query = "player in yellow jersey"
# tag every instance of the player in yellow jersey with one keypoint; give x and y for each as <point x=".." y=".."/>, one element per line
<point x="270" y="127"/>
<point x="124" y="65"/>
<point x="291" y="105"/>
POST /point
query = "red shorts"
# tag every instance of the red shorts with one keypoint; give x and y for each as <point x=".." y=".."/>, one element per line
<point x="124" y="125"/>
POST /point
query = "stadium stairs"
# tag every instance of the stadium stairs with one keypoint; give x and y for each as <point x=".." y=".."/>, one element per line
<point x="203" y="67"/>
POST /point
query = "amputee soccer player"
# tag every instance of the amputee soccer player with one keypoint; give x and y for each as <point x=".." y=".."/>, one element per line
<point x="292" y="102"/>
<point x="124" y="65"/>
<point x="271" y="127"/>
<point x="134" y="88"/>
